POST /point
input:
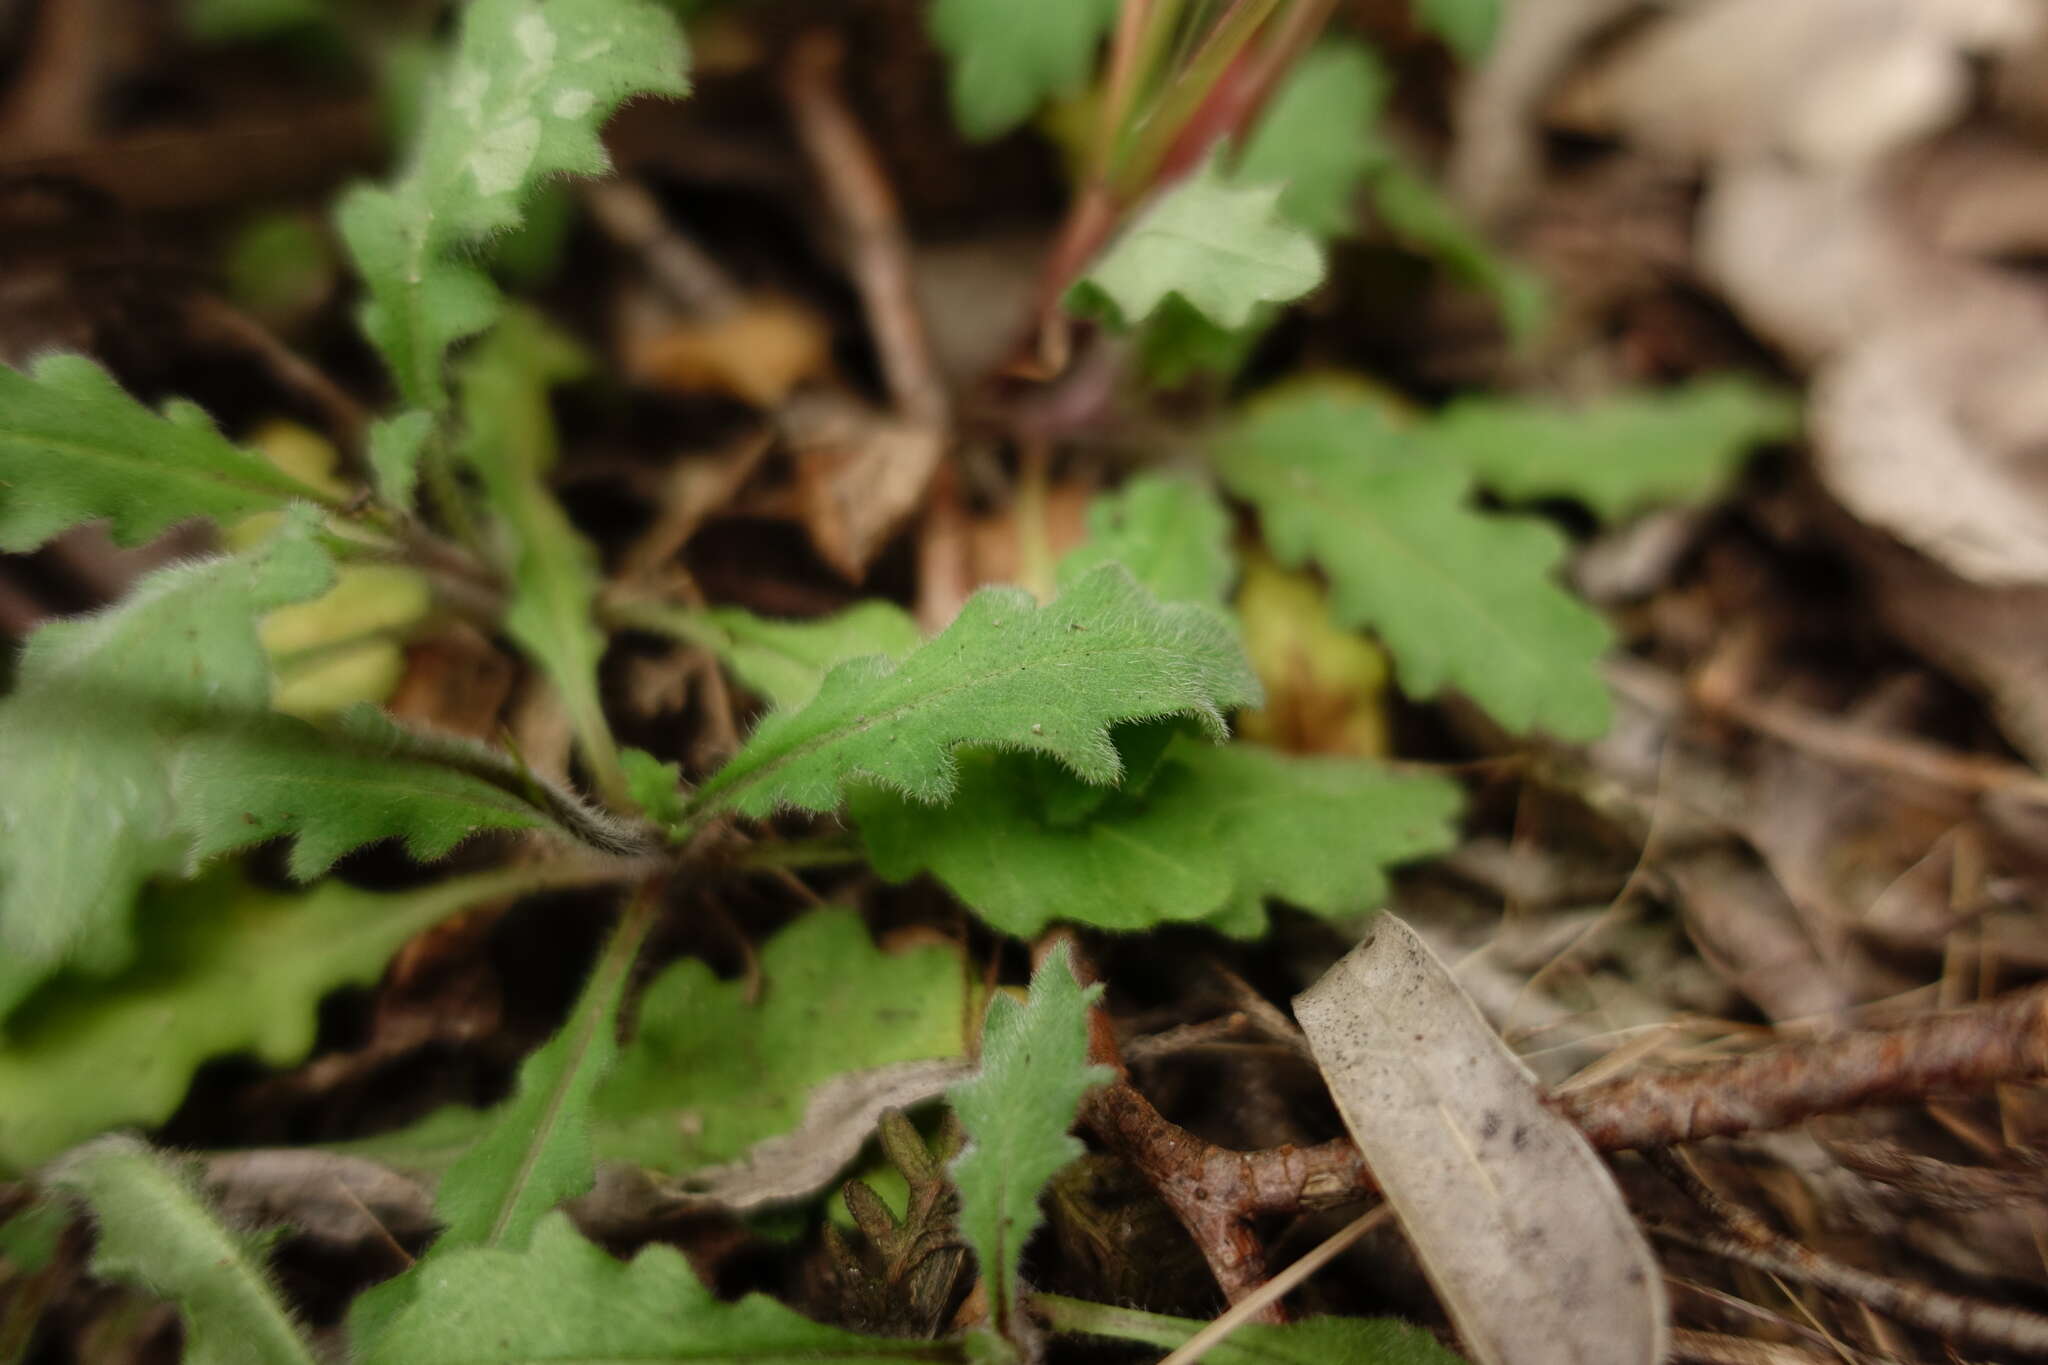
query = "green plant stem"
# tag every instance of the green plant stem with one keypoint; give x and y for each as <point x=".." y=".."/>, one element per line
<point x="657" y="617"/>
<point x="828" y="850"/>
<point x="1190" y="91"/>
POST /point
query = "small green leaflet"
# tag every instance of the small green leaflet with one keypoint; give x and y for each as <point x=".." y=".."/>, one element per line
<point x="1171" y="533"/>
<point x="1016" y="1111"/>
<point x="74" y="447"/>
<point x="1620" y="455"/>
<point x="1220" y="244"/>
<point x="156" y="1234"/>
<point x="1416" y="212"/>
<point x="535" y="1152"/>
<point x="396" y="444"/>
<point x="1462" y="598"/>
<point x="223" y="966"/>
<point x="783" y="661"/>
<point x="1320" y="136"/>
<point x="1215" y="831"/>
<point x="510" y="442"/>
<point x="707" y="1073"/>
<point x="1309" y="1341"/>
<point x="1006" y="673"/>
<point x="529" y="86"/>
<point x="1009" y="58"/>
<point x="564" y="1299"/>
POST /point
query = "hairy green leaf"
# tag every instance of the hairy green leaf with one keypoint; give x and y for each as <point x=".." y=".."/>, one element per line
<point x="529" y="85"/>
<point x="334" y="789"/>
<point x="1007" y="59"/>
<point x="74" y="447"/>
<point x="1309" y="1341"/>
<point x="157" y="1234"/>
<point x="1216" y="831"/>
<point x="1017" y="1110"/>
<point x="1617" y="456"/>
<point x="1171" y="533"/>
<point x="1220" y="244"/>
<point x="564" y="1299"/>
<point x="1462" y="598"/>
<point x="510" y="442"/>
<point x="1467" y="26"/>
<point x="1319" y="137"/>
<point x="1007" y="673"/>
<point x="224" y="966"/>
<point x="100" y="707"/>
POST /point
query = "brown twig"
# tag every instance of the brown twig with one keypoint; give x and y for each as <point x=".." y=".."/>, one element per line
<point x="859" y="193"/>
<point x="1216" y="1192"/>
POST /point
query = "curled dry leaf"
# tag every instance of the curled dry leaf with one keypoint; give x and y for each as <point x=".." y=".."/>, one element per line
<point x="1518" y="1224"/>
<point x="859" y="475"/>
<point x="839" y="1117"/>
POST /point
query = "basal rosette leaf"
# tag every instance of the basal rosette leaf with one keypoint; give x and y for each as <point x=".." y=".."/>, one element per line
<point x="1461" y="597"/>
<point x="1007" y="673"/>
<point x="1215" y="832"/>
<point x="75" y="447"/>
<point x="1170" y="532"/>
<point x="529" y="86"/>
<point x="782" y="661"/>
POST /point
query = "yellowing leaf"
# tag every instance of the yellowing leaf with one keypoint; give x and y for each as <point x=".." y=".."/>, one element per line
<point x="1325" y="687"/>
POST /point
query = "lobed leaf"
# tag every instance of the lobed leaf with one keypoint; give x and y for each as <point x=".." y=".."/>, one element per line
<point x="225" y="966"/>
<point x="1007" y="673"/>
<point x="783" y="661"/>
<point x="1319" y="137"/>
<point x="1218" y="243"/>
<point x="1617" y="456"/>
<point x="564" y="1299"/>
<point x="529" y="85"/>
<point x="75" y="447"/>
<point x="1461" y="598"/>
<point x="1008" y="59"/>
<point x="709" y="1072"/>
<point x="396" y="445"/>
<point x="1215" y="831"/>
<point x="1172" y="534"/>
<point x="158" y="1235"/>
<point x="1017" y="1110"/>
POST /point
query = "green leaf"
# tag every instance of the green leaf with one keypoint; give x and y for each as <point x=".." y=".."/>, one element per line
<point x="101" y="705"/>
<point x="1172" y="534"/>
<point x="1310" y="1341"/>
<point x="224" y="966"/>
<point x="535" y="1151"/>
<point x="530" y="84"/>
<point x="1007" y="59"/>
<point x="510" y="442"/>
<point x="1621" y="455"/>
<point x="1417" y="212"/>
<point x="783" y="661"/>
<point x="1217" y="830"/>
<point x="567" y="1300"/>
<point x="656" y="787"/>
<point x="1461" y="598"/>
<point x="31" y="1235"/>
<point x="396" y="444"/>
<point x="1218" y="243"/>
<point x="1017" y="1110"/>
<point x="157" y="1234"/>
<point x="74" y="447"/>
<point x="1466" y="26"/>
<point x="334" y="789"/>
<point x="709" y="1071"/>
<point x="220" y="21"/>
<point x="1320" y="136"/>
<point x="1007" y="673"/>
